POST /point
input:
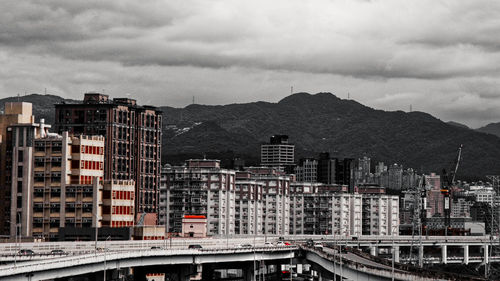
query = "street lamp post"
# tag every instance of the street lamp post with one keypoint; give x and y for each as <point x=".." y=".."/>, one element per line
<point x="96" y="232"/>
<point x="393" y="250"/>
<point x="105" y="250"/>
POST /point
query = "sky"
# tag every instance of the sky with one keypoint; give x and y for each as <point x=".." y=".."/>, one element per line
<point x="440" y="57"/>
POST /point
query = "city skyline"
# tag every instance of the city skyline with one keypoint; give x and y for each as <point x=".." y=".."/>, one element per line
<point x="438" y="57"/>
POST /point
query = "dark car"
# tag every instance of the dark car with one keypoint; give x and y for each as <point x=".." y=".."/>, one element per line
<point x="195" y="246"/>
<point x="57" y="252"/>
<point x="26" y="252"/>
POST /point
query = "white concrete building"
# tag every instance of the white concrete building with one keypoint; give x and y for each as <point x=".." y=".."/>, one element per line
<point x="275" y="200"/>
<point x="201" y="187"/>
<point x="249" y="205"/>
<point x="380" y="214"/>
<point x="322" y="209"/>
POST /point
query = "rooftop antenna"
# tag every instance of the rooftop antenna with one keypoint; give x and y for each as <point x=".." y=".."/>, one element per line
<point x="18" y="97"/>
<point x="348" y="95"/>
<point x="410" y="107"/>
<point x="193" y="99"/>
<point x="291" y="90"/>
<point x="45" y="91"/>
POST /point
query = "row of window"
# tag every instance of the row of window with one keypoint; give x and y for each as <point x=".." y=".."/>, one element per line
<point x="122" y="210"/>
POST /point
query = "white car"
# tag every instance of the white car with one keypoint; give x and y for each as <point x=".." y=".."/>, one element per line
<point x="280" y="244"/>
<point x="268" y="244"/>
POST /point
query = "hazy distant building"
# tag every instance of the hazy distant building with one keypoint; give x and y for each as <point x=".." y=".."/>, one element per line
<point x="336" y="171"/>
<point x="410" y="179"/>
<point x="278" y="153"/>
<point x="435" y="199"/>
<point x="380" y="168"/>
<point x="395" y="177"/>
<point x="307" y="170"/>
<point x="326" y="168"/>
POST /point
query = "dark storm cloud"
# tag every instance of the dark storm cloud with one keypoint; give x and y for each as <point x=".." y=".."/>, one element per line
<point x="447" y="49"/>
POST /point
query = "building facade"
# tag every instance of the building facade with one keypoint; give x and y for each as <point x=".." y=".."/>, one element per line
<point x="380" y="215"/>
<point x="278" y="153"/>
<point x="307" y="170"/>
<point x="14" y="113"/>
<point x="201" y="187"/>
<point x="318" y="209"/>
<point x="133" y="141"/>
<point x="249" y="205"/>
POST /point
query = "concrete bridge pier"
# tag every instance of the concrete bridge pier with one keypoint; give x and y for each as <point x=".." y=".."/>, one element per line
<point x="396" y="253"/>
<point x="486" y="254"/>
<point x="444" y="254"/>
<point x="421" y="256"/>
<point x="466" y="254"/>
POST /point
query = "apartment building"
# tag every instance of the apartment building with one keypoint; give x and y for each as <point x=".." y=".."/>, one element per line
<point x="67" y="176"/>
<point x="323" y="209"/>
<point x="249" y="204"/>
<point x="380" y="214"/>
<point x="133" y="141"/>
<point x="275" y="199"/>
<point x="201" y="187"/>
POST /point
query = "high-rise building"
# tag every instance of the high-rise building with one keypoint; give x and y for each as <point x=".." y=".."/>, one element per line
<point x="395" y="174"/>
<point x="14" y="113"/>
<point x="200" y="187"/>
<point x="326" y="168"/>
<point x="306" y="170"/>
<point x="435" y="199"/>
<point x="133" y="141"/>
<point x="278" y="153"/>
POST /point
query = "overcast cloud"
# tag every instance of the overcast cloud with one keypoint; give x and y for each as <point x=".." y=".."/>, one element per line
<point x="443" y="57"/>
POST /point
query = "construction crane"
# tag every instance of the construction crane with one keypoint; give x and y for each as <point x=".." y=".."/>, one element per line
<point x="447" y="182"/>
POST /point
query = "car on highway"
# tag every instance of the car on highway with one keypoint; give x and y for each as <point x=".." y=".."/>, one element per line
<point x="195" y="246"/>
<point x="57" y="252"/>
<point x="318" y="246"/>
<point x="280" y="244"/>
<point x="26" y="252"/>
<point x="245" y="246"/>
<point x="268" y="244"/>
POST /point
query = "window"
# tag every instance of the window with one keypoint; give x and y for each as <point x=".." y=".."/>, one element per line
<point x="19" y="187"/>
<point x="20" y="171"/>
<point x="20" y="155"/>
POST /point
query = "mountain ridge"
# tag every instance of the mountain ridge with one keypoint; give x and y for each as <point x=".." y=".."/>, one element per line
<point x="315" y="123"/>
